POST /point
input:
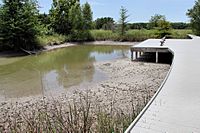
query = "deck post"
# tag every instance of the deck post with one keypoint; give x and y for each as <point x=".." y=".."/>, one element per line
<point x="136" y="55"/>
<point x="131" y="55"/>
<point x="156" y="56"/>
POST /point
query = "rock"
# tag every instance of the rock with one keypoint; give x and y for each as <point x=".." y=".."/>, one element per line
<point x="107" y="64"/>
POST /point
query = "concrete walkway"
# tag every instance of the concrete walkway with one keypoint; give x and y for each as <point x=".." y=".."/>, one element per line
<point x="175" y="108"/>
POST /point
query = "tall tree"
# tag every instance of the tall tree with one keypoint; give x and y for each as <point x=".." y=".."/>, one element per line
<point x="154" y="21"/>
<point x="87" y="16"/>
<point x="106" y="23"/>
<point x="194" y="14"/>
<point x="75" y="17"/>
<point x="123" y="20"/>
<point x="59" y="15"/>
<point x="18" y="24"/>
<point x="160" y="23"/>
<point x="78" y="31"/>
<point x="164" y="28"/>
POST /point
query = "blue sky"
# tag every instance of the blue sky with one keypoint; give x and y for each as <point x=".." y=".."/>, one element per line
<point x="139" y="10"/>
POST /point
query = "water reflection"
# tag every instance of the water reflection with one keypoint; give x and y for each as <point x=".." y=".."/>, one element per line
<point x="54" y="71"/>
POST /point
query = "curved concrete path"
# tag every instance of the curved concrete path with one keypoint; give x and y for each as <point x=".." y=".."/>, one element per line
<point x="176" y="106"/>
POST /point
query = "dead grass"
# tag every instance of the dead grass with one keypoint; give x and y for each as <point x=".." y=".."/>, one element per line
<point x="82" y="114"/>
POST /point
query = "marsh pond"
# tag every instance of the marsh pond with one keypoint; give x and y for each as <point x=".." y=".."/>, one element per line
<point x="54" y="71"/>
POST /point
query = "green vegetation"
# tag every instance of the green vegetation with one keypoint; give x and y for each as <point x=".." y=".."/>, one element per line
<point x="174" y="25"/>
<point x="136" y="35"/>
<point x="18" y="25"/>
<point x="180" y="25"/>
<point x="21" y="25"/>
<point x="51" y="39"/>
<point x="103" y="35"/>
<point x="66" y="17"/>
<point x="160" y="23"/>
<point x="131" y="35"/>
<point x="194" y="14"/>
<point x="123" y="21"/>
<point x="87" y="16"/>
<point x="140" y="35"/>
<point x="155" y="20"/>
<point x="105" y="23"/>
<point x="69" y="19"/>
<point x="180" y="34"/>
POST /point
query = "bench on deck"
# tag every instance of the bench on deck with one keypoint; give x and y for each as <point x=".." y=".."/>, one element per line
<point x="162" y="41"/>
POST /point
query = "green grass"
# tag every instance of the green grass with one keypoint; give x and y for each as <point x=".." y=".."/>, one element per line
<point x="140" y="35"/>
<point x="47" y="39"/>
<point x="180" y="34"/>
<point x="103" y="35"/>
<point x="131" y="35"/>
<point x="136" y="35"/>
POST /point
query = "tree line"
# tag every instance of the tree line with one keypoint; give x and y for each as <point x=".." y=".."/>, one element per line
<point x="108" y="23"/>
<point x="21" y="23"/>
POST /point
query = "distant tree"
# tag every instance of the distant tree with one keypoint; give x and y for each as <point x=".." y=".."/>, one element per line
<point x="164" y="28"/>
<point x="153" y="22"/>
<point x="160" y="23"/>
<point x="194" y="15"/>
<point x="106" y="23"/>
<point x="138" y="25"/>
<point x="180" y="25"/>
<point x="18" y="27"/>
<point x="123" y="20"/>
<point x="108" y="26"/>
<point x="164" y="25"/>
<point x="87" y="16"/>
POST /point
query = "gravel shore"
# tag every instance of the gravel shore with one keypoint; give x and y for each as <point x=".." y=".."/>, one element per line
<point x="129" y="86"/>
<point x="126" y="81"/>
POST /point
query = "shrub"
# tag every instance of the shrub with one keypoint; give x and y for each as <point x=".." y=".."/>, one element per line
<point x="49" y="39"/>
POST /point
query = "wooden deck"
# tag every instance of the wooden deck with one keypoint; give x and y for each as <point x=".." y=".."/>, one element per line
<point x="175" y="108"/>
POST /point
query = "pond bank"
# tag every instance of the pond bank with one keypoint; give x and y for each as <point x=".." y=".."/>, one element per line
<point x="128" y="84"/>
<point x="64" y="45"/>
